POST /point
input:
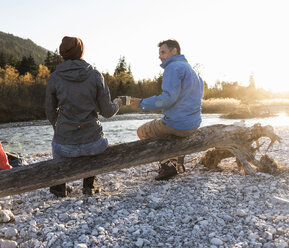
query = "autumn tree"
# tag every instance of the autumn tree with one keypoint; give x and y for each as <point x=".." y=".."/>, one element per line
<point x="43" y="73"/>
<point x="27" y="78"/>
<point x="11" y="74"/>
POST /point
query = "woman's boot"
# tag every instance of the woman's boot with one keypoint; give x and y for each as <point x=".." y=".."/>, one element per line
<point x="90" y="186"/>
<point x="61" y="190"/>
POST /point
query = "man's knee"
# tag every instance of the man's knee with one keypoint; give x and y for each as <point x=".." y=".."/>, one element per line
<point x="140" y="133"/>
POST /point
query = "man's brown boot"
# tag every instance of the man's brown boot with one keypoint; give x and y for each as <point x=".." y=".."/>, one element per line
<point x="167" y="170"/>
<point x="180" y="164"/>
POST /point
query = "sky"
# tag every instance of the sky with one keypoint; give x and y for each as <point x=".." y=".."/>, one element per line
<point x="230" y="39"/>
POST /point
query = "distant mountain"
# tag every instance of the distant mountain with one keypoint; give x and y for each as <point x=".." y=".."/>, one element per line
<point x="18" y="47"/>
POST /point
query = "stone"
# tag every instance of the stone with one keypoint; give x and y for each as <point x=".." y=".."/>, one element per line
<point x="80" y="245"/>
<point x="186" y="220"/>
<point x="6" y="216"/>
<point x="63" y="216"/>
<point x="139" y="242"/>
<point x="32" y="223"/>
<point x="170" y="239"/>
<point x="272" y="230"/>
<point x="10" y="232"/>
<point x="241" y="213"/>
<point x="268" y="236"/>
<point x="101" y="229"/>
<point x="137" y="232"/>
<point x="216" y="241"/>
<point x="281" y="200"/>
<point x="253" y="237"/>
<point x="8" y="243"/>
<point x="83" y="239"/>
<point x="280" y="243"/>
<point x="267" y="245"/>
<point x="227" y="217"/>
<point x="204" y="223"/>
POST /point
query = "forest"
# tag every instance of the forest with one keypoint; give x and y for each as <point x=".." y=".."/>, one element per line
<point x="13" y="48"/>
<point x="23" y="83"/>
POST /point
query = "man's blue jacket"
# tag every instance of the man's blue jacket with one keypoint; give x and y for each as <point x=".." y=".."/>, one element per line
<point x="181" y="97"/>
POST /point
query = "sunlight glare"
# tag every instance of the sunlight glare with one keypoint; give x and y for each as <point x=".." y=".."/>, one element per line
<point x="281" y="119"/>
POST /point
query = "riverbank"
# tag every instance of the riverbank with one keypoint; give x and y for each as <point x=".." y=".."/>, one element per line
<point x="229" y="107"/>
<point x="196" y="209"/>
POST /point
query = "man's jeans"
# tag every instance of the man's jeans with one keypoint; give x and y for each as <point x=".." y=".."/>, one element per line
<point x="71" y="151"/>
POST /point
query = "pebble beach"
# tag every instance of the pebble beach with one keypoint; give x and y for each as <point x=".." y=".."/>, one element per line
<point x="198" y="208"/>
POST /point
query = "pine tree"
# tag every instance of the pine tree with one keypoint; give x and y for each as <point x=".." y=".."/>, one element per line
<point x="27" y="65"/>
<point x="122" y="67"/>
<point x="32" y="67"/>
<point x="48" y="60"/>
<point x="52" y="60"/>
<point x="22" y="66"/>
<point x="2" y="60"/>
<point x="56" y="59"/>
<point x="11" y="60"/>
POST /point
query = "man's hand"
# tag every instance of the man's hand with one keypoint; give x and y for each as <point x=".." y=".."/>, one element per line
<point x="134" y="102"/>
<point x="118" y="101"/>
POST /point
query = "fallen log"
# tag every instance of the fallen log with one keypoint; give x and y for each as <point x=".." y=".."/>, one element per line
<point x="234" y="139"/>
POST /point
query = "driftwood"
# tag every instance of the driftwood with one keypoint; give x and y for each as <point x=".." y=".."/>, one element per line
<point x="234" y="140"/>
<point x="244" y="152"/>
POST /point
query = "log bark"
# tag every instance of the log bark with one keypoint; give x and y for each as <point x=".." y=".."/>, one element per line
<point x="234" y="139"/>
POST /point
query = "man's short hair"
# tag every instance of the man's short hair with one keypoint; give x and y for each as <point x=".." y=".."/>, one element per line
<point x="171" y="44"/>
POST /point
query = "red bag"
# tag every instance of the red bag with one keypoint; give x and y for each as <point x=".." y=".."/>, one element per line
<point x="4" y="163"/>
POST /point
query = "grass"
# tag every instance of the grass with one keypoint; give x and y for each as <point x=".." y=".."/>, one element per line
<point x="220" y="105"/>
<point x="235" y="109"/>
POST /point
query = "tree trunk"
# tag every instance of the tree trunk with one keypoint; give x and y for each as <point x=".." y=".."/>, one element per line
<point x="234" y="139"/>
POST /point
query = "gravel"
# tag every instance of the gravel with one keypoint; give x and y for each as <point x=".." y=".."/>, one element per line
<point x="198" y="208"/>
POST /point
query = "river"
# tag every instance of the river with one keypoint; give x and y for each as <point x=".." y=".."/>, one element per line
<point x="30" y="138"/>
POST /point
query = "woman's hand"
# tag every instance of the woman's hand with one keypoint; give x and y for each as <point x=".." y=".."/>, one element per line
<point x="118" y="101"/>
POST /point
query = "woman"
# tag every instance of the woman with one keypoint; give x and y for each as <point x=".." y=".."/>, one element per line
<point x="75" y="94"/>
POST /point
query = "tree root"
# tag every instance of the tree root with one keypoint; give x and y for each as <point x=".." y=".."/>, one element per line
<point x="242" y="148"/>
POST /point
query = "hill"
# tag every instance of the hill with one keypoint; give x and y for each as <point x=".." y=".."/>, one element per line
<point x="18" y="47"/>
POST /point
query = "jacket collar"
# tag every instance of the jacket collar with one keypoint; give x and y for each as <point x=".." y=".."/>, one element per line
<point x="172" y="59"/>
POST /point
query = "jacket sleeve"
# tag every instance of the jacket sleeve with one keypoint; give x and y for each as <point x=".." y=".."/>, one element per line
<point x="171" y="88"/>
<point x="51" y="102"/>
<point x="106" y="107"/>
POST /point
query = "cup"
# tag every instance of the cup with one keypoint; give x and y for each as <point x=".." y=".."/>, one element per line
<point x="125" y="100"/>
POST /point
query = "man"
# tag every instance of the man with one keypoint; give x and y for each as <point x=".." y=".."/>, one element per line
<point x="180" y="100"/>
<point x="75" y="94"/>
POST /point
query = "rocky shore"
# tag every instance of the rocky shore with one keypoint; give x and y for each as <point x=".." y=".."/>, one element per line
<point x="198" y="208"/>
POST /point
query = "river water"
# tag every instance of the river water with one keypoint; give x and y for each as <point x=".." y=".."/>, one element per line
<point x="30" y="138"/>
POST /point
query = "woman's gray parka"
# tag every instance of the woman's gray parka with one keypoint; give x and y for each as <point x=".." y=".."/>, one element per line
<point x="75" y="93"/>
